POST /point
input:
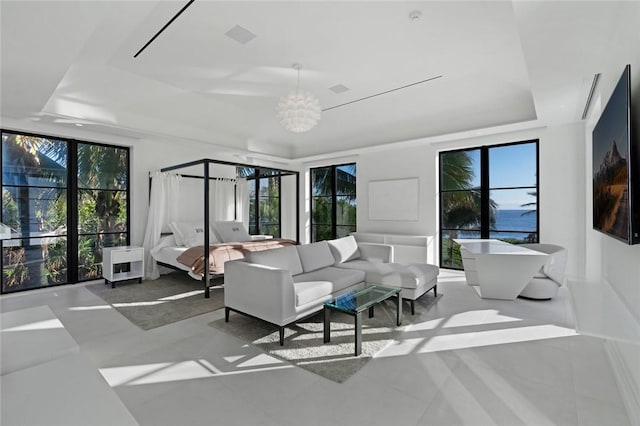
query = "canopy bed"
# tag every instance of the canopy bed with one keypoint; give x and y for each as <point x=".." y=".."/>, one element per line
<point x="198" y="231"/>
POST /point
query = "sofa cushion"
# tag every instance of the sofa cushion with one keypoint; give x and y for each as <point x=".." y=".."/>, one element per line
<point x="315" y="256"/>
<point x="399" y="275"/>
<point x="344" y="249"/>
<point x="337" y="277"/>
<point x="282" y="258"/>
<point x="309" y="291"/>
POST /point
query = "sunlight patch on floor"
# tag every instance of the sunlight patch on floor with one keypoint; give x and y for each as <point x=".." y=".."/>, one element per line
<point x="447" y="342"/>
<point x="182" y="295"/>
<point x="37" y="325"/>
<point x="164" y="372"/>
<point x="133" y="304"/>
<point x="90" y="308"/>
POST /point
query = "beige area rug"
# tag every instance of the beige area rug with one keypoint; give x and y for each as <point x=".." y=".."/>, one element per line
<point x="154" y="303"/>
<point x="335" y="360"/>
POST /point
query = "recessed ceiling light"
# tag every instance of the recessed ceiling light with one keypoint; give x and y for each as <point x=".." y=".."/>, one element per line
<point x="415" y="15"/>
<point x="339" y="88"/>
<point x="240" y="34"/>
<point x="79" y="124"/>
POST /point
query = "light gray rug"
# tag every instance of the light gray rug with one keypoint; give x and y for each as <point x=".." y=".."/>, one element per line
<point x="335" y="360"/>
<point x="170" y="298"/>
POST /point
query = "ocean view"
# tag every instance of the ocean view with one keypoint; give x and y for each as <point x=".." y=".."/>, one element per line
<point x="510" y="220"/>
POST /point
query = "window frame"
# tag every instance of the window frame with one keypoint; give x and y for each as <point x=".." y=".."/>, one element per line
<point x="256" y="198"/>
<point x="485" y="191"/>
<point x="333" y="197"/>
<point x="72" y="193"/>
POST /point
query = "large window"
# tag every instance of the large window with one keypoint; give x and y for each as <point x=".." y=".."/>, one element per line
<point x="264" y="202"/>
<point x="488" y="192"/>
<point x="333" y="201"/>
<point x="102" y="204"/>
<point x="51" y="188"/>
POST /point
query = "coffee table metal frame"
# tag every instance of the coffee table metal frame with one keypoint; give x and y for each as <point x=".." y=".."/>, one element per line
<point x="354" y="303"/>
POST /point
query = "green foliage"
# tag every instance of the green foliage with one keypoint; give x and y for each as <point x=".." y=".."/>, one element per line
<point x="9" y="211"/>
<point x="451" y="254"/>
<point x="15" y="271"/>
<point x="269" y="207"/>
<point x="102" y="205"/>
<point x="55" y="261"/>
<point x="323" y="182"/>
<point x="461" y="208"/>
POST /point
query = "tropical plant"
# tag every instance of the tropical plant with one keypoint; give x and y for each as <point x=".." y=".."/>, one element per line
<point x="102" y="203"/>
<point x="461" y="204"/>
<point x="533" y="204"/>
<point x="28" y="159"/>
<point x="322" y="186"/>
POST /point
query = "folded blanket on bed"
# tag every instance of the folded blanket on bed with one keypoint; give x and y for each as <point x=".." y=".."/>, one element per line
<point x="220" y="253"/>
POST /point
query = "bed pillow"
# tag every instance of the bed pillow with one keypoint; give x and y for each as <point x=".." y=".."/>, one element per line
<point x="232" y="231"/>
<point x="191" y="234"/>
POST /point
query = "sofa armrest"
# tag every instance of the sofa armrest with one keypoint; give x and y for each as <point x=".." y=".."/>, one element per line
<point x="376" y="252"/>
<point x="259" y="290"/>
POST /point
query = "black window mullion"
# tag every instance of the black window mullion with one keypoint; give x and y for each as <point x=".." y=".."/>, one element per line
<point x="256" y="204"/>
<point x="334" y="202"/>
<point x="485" y="195"/>
<point x="485" y="217"/>
<point x="128" y="187"/>
<point x="72" y="212"/>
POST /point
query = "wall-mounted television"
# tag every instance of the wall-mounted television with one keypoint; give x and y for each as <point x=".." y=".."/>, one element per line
<point x="616" y="167"/>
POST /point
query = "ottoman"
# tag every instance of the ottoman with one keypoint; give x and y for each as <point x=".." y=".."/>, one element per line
<point x="415" y="279"/>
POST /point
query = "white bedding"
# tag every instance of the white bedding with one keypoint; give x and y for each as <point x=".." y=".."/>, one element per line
<point x="169" y="255"/>
<point x="167" y="252"/>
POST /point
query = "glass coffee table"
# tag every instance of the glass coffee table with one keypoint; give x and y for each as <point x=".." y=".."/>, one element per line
<point x="354" y="303"/>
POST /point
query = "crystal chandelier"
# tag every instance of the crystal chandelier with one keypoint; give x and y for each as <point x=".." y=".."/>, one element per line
<point x="299" y="112"/>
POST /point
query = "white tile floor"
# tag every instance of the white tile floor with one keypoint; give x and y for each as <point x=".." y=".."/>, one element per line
<point x="468" y="361"/>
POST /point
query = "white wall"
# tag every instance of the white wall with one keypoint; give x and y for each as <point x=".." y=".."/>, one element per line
<point x="615" y="262"/>
<point x="612" y="263"/>
<point x="562" y="214"/>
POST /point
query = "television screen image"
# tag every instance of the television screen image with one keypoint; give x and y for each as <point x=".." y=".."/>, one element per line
<point x="611" y="164"/>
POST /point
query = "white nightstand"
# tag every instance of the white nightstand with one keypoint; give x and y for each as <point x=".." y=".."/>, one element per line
<point x="112" y="256"/>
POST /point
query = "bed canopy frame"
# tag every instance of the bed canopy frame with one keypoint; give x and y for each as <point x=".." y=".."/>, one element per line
<point x="206" y="176"/>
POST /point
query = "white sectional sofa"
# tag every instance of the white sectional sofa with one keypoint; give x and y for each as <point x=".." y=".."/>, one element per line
<point x="286" y="284"/>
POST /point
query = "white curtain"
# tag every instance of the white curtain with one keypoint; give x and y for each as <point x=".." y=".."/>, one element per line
<point x="163" y="209"/>
<point x="242" y="201"/>
<point x="222" y="199"/>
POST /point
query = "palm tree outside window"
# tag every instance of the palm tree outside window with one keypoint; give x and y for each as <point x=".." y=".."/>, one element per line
<point x="488" y="192"/>
<point x="333" y="201"/>
<point x="63" y="200"/>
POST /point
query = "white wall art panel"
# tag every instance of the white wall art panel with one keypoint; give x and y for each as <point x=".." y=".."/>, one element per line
<point x="396" y="199"/>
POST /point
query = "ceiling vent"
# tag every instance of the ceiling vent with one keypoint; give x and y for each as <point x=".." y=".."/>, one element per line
<point x="339" y="88"/>
<point x="594" y="83"/>
<point x="240" y="34"/>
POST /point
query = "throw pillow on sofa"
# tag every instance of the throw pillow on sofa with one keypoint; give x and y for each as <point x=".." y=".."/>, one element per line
<point x="315" y="256"/>
<point x="344" y="249"/>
